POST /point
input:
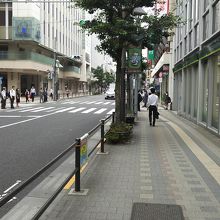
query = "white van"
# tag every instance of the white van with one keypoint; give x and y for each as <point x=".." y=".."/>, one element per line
<point x="110" y="93"/>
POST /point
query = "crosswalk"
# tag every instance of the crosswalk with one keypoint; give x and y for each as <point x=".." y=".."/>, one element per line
<point x="88" y="102"/>
<point x="72" y="109"/>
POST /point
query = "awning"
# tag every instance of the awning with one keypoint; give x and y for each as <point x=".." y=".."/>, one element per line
<point x="165" y="59"/>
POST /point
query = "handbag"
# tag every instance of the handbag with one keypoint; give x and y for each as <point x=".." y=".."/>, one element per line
<point x="157" y="115"/>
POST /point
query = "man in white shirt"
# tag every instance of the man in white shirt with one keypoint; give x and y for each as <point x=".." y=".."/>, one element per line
<point x="3" y="96"/>
<point x="12" y="96"/>
<point x="152" y="105"/>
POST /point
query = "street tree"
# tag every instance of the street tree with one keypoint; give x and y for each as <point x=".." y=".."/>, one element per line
<point x="103" y="79"/>
<point x="117" y="28"/>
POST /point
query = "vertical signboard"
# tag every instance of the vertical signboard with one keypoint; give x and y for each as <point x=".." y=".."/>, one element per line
<point x="134" y="58"/>
<point x="83" y="152"/>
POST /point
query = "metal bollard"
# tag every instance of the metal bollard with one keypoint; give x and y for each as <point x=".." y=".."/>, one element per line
<point x="102" y="134"/>
<point x="77" y="165"/>
<point x="113" y="117"/>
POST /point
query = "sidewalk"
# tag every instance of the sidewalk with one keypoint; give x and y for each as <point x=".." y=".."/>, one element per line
<point x="175" y="162"/>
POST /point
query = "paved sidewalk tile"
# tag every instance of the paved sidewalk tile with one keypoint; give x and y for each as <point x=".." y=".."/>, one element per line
<point x="156" y="166"/>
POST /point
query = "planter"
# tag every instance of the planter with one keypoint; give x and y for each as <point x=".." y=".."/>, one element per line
<point x="129" y="119"/>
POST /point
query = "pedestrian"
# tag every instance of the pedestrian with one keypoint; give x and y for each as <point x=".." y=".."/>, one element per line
<point x="51" y="94"/>
<point x="18" y="97"/>
<point x="167" y="100"/>
<point x="3" y="98"/>
<point x="140" y="98"/>
<point x="145" y="98"/>
<point x="12" y="96"/>
<point x="152" y="106"/>
<point x="27" y="95"/>
<point x="67" y="92"/>
<point x="45" y="94"/>
<point x="32" y="93"/>
<point x="41" y="94"/>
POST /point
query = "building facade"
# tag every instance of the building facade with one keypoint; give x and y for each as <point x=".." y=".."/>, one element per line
<point x="41" y="44"/>
<point x="197" y="62"/>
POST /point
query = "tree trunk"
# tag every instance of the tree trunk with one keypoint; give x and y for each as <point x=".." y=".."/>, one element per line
<point x="120" y="91"/>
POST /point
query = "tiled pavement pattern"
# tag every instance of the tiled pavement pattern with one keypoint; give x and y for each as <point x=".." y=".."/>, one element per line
<point x="156" y="166"/>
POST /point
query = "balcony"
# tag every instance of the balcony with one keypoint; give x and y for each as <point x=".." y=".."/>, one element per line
<point x="71" y="72"/>
<point x="25" y="60"/>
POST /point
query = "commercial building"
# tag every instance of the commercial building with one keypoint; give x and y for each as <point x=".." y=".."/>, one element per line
<point x="197" y="62"/>
<point x="41" y="44"/>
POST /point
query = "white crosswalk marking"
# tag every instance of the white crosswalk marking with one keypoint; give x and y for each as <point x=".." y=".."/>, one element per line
<point x="77" y="110"/>
<point x="43" y="109"/>
<point x="65" y="109"/>
<point x="90" y="102"/>
<point x="70" y="102"/>
<point x="31" y="109"/>
<point x="97" y="103"/>
<point x="55" y="109"/>
<point x="89" y="110"/>
<point x="100" y="111"/>
<point x="113" y="103"/>
<point x="110" y="112"/>
<point x="106" y="103"/>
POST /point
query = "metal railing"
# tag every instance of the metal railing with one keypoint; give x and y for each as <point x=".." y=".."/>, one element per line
<point x="75" y="172"/>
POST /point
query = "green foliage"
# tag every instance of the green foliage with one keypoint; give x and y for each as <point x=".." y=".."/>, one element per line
<point x="119" y="133"/>
<point x="103" y="78"/>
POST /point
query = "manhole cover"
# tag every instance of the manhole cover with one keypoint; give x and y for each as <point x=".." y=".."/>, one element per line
<point x="150" y="211"/>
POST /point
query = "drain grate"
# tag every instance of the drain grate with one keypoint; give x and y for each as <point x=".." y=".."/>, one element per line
<point x="150" y="211"/>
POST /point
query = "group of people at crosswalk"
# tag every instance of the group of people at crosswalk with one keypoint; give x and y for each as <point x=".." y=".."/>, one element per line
<point x="13" y="95"/>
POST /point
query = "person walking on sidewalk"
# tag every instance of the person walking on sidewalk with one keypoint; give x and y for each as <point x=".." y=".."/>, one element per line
<point x="3" y="98"/>
<point x="12" y="96"/>
<point x="26" y="95"/>
<point x="32" y="93"/>
<point x="41" y="94"/>
<point x="18" y="97"/>
<point x="145" y="98"/>
<point x="152" y="106"/>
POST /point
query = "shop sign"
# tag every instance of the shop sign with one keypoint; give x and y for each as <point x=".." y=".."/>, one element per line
<point x="134" y="58"/>
<point x="83" y="152"/>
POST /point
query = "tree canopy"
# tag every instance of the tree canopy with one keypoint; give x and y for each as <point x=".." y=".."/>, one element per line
<point x="117" y="27"/>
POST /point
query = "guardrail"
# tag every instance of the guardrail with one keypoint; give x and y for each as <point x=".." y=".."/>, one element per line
<point x="76" y="171"/>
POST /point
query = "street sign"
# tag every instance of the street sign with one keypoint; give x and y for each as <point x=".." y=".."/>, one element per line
<point x="134" y="58"/>
<point x="151" y="54"/>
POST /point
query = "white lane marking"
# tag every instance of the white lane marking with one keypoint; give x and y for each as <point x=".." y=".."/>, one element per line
<point x="106" y="103"/>
<point x="55" y="109"/>
<point x="113" y="103"/>
<point x="97" y="103"/>
<point x="208" y="163"/>
<point x="110" y="112"/>
<point x="65" y="109"/>
<point x="11" y="187"/>
<point x="43" y="109"/>
<point x="76" y="110"/>
<point x="10" y="116"/>
<point x="31" y="109"/>
<point x="89" y="110"/>
<point x="100" y="111"/>
<point x="27" y="120"/>
<point x="83" y="102"/>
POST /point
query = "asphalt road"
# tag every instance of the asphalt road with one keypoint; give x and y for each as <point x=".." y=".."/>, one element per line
<point x="33" y="134"/>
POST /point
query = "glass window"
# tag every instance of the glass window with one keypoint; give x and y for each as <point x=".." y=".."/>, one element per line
<point x="195" y="93"/>
<point x="190" y="41"/>
<point x="190" y="14"/>
<point x="216" y="91"/>
<point x="205" y="92"/>
<point x="216" y="17"/>
<point x="2" y="17"/>
<point x="185" y="48"/>
<point x="205" y="26"/>
<point x="196" y="36"/>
